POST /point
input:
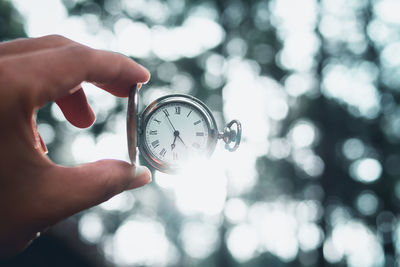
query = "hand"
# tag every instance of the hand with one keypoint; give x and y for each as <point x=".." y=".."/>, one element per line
<point x="182" y="140"/>
<point x="176" y="133"/>
<point x="166" y="115"/>
<point x="35" y="193"/>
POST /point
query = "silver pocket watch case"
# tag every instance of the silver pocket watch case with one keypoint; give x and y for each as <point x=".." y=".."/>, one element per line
<point x="136" y="122"/>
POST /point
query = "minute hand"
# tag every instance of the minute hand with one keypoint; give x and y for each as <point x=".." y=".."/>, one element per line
<point x="176" y="133"/>
<point x="170" y="122"/>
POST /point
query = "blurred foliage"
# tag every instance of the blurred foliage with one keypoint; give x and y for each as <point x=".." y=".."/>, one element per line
<point x="11" y="23"/>
<point x="339" y="125"/>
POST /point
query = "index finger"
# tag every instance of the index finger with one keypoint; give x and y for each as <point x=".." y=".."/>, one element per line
<point x="25" y="45"/>
<point x="52" y="73"/>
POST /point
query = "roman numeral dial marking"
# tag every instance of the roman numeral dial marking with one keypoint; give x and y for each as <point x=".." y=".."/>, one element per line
<point x="155" y="143"/>
<point x="175" y="132"/>
<point x="163" y="152"/>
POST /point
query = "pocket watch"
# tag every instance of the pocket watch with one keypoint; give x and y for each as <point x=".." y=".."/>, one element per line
<point x="175" y="129"/>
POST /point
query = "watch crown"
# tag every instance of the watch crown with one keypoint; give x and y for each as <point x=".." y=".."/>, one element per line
<point x="231" y="135"/>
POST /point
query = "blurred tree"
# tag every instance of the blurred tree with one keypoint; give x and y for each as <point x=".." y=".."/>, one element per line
<point x="11" y="22"/>
<point x="342" y="96"/>
<point x="356" y="149"/>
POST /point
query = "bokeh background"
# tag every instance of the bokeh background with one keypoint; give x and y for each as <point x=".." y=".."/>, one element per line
<point x="316" y="85"/>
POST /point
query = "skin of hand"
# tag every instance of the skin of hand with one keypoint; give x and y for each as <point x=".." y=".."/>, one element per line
<point x="35" y="192"/>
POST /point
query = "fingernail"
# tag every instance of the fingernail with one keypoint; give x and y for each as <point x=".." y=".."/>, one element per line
<point x="140" y="170"/>
<point x="142" y="177"/>
<point x="148" y="72"/>
<point x="145" y="69"/>
<point x="75" y="89"/>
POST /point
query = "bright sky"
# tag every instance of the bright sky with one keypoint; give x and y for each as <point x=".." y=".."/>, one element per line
<point x="283" y="226"/>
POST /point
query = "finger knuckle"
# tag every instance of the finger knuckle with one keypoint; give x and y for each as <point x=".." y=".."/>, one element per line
<point x="13" y="88"/>
<point x="56" y="38"/>
<point x="76" y="49"/>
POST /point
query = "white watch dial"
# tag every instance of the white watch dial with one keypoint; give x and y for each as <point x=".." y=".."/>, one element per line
<point x="176" y="132"/>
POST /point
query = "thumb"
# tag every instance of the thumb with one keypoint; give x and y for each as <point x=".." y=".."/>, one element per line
<point x="77" y="188"/>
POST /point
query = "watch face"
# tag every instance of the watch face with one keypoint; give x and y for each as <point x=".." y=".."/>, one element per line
<point x="176" y="132"/>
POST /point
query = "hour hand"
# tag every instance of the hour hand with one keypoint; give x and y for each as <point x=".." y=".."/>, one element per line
<point x="173" y="143"/>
